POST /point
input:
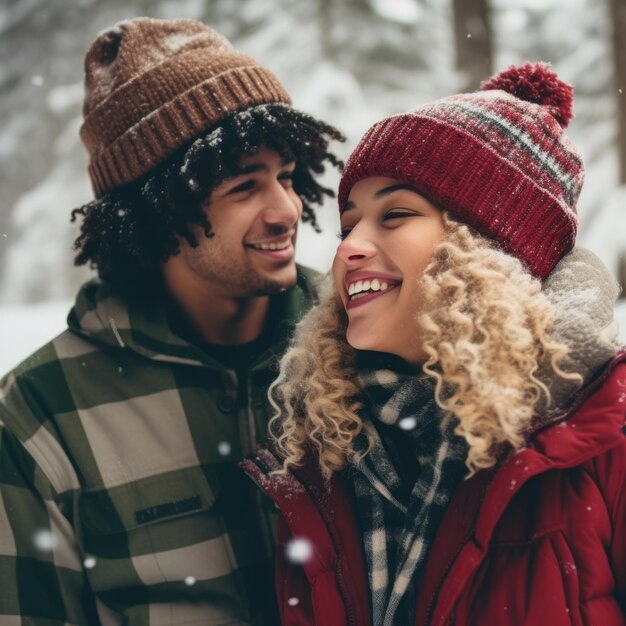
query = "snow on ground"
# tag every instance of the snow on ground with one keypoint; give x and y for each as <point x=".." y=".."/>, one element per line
<point x="24" y="328"/>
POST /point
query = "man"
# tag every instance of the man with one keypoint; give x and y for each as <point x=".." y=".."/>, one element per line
<point x="120" y="502"/>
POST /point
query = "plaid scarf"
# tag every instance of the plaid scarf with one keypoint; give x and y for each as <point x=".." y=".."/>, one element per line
<point x="402" y="486"/>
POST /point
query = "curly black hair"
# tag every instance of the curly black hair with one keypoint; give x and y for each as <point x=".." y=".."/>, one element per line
<point x="128" y="233"/>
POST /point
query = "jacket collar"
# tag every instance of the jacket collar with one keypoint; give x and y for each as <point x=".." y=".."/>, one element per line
<point x="591" y="426"/>
<point x="142" y="325"/>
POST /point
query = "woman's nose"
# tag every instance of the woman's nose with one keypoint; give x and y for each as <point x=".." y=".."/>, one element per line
<point x="356" y="247"/>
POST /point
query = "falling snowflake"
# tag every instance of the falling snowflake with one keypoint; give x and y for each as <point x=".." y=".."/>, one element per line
<point x="89" y="562"/>
<point x="190" y="581"/>
<point x="224" y="448"/>
<point x="299" y="550"/>
<point x="407" y="423"/>
<point x="293" y="602"/>
<point x="45" y="540"/>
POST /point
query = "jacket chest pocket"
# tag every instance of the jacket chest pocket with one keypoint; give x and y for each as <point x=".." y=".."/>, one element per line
<point x="533" y="582"/>
<point x="162" y="538"/>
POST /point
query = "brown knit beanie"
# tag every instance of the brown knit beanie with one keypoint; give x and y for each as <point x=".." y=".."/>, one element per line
<point x="153" y="85"/>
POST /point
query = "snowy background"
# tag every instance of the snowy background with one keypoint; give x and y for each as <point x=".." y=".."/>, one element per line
<point x="350" y="62"/>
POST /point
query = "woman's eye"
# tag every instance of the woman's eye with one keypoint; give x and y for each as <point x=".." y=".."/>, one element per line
<point x="343" y="233"/>
<point x="391" y="215"/>
<point x="245" y="186"/>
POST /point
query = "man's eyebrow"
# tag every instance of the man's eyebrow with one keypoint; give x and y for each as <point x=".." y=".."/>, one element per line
<point x="261" y="167"/>
<point x="385" y="191"/>
<point x="251" y="169"/>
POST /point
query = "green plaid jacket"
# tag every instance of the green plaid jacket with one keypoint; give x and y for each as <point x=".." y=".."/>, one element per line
<point x="120" y="502"/>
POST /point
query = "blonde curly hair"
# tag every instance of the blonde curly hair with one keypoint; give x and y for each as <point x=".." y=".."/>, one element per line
<point x="485" y="328"/>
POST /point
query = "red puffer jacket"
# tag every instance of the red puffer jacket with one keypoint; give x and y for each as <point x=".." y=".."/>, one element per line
<point x="538" y="541"/>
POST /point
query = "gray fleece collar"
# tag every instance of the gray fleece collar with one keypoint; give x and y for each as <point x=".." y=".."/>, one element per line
<point x="583" y="292"/>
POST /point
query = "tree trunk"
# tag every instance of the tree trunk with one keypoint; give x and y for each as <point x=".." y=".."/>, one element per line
<point x="621" y="274"/>
<point x="618" y="17"/>
<point x="472" y="35"/>
<point x="325" y="23"/>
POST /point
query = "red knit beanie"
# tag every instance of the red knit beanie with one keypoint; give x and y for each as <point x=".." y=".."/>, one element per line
<point x="151" y="86"/>
<point x="497" y="159"/>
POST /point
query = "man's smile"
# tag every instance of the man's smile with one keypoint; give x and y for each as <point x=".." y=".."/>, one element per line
<point x="281" y="245"/>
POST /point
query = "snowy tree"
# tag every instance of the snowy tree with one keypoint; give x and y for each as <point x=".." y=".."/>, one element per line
<point x="350" y="62"/>
<point x="473" y="40"/>
<point x="618" y="17"/>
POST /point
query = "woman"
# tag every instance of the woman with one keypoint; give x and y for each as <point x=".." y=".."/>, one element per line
<point x="448" y="443"/>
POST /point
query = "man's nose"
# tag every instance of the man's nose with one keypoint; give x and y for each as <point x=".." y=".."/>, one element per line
<point x="283" y="206"/>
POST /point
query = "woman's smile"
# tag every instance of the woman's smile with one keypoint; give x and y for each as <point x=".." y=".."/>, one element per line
<point x="363" y="287"/>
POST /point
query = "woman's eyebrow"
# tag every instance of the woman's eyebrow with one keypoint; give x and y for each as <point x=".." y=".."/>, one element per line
<point x="385" y="191"/>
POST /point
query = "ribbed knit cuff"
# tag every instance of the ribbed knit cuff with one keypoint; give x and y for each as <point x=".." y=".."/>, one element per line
<point x="494" y="197"/>
<point x="156" y="136"/>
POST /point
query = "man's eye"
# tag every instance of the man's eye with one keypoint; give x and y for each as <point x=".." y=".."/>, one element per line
<point x="246" y="186"/>
<point x="286" y="178"/>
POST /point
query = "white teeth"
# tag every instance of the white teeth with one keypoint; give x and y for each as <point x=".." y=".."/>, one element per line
<point x="273" y="246"/>
<point x="358" y="288"/>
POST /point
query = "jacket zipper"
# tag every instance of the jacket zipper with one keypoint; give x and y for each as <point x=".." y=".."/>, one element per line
<point x="431" y="606"/>
<point x="268" y="525"/>
<point x="251" y="417"/>
<point x="312" y="490"/>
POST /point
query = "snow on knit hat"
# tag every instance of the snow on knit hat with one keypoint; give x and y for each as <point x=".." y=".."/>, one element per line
<point x="153" y="85"/>
<point x="497" y="159"/>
